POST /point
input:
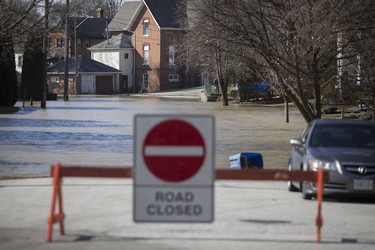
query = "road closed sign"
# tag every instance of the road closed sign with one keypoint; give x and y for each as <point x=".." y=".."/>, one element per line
<point x="173" y="168"/>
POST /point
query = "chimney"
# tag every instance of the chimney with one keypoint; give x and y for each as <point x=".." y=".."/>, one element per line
<point x="99" y="13"/>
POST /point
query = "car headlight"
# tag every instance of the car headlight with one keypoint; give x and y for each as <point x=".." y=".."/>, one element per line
<point x="315" y="164"/>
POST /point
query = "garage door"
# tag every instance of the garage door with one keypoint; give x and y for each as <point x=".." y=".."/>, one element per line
<point x="88" y="84"/>
<point x="104" y="84"/>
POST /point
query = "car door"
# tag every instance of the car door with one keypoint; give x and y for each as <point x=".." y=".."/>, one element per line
<point x="298" y="151"/>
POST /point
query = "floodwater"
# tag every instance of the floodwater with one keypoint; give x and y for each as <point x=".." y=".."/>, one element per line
<point x="92" y="130"/>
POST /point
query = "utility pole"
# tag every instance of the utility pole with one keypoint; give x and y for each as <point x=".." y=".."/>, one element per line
<point x="106" y="29"/>
<point x="43" y="103"/>
<point x="66" y="73"/>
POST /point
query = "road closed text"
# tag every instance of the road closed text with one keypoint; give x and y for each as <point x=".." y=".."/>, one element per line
<point x="172" y="203"/>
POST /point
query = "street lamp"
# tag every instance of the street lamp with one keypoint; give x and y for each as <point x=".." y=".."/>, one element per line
<point x="75" y="48"/>
<point x="66" y="76"/>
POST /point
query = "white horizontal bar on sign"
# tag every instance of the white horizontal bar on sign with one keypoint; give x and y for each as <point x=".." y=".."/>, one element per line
<point x="174" y="151"/>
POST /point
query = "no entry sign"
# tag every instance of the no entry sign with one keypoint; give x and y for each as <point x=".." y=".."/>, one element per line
<point x="174" y="168"/>
<point x="174" y="150"/>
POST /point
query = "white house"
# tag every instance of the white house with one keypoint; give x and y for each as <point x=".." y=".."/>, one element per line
<point x="117" y="52"/>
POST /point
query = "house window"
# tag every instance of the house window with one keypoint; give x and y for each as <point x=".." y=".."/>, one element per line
<point x="171" y="55"/>
<point x="60" y="43"/>
<point x="173" y="77"/>
<point x="79" y="43"/>
<point x="55" y="79"/>
<point x="145" y="81"/>
<point x="146" y="25"/>
<point x="49" y="45"/>
<point x="126" y="55"/>
<point x="146" y="53"/>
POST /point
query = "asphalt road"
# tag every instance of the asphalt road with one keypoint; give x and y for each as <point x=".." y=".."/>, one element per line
<point x="248" y="215"/>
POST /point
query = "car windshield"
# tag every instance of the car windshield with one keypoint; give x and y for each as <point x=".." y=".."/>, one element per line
<point x="343" y="135"/>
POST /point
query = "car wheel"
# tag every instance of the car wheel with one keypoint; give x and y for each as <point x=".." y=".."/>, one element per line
<point x="291" y="187"/>
<point x="305" y="195"/>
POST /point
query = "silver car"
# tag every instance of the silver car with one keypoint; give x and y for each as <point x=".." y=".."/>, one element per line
<point x="345" y="148"/>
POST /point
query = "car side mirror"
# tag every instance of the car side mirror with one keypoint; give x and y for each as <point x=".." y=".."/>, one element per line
<point x="296" y="142"/>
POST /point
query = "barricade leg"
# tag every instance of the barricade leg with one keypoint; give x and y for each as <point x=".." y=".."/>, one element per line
<point x="56" y="197"/>
<point x="319" y="218"/>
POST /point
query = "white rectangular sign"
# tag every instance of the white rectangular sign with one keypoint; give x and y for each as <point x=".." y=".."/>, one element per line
<point x="187" y="204"/>
<point x="173" y="168"/>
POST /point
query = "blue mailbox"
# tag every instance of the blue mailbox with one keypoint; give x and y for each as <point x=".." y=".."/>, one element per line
<point x="246" y="160"/>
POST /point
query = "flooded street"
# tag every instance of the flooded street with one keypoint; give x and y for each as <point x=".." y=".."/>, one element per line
<point x="91" y="130"/>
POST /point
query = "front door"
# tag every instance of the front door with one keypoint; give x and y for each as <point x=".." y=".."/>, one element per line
<point x="124" y="84"/>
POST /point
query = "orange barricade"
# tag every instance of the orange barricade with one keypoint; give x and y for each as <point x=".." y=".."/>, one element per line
<point x="58" y="172"/>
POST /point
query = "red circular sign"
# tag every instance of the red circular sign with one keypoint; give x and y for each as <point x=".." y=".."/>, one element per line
<point x="174" y="150"/>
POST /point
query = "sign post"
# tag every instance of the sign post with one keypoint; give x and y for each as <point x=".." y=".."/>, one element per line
<point x="173" y="168"/>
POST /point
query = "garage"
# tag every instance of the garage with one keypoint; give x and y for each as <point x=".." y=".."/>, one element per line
<point x="88" y="84"/>
<point x="104" y="84"/>
<point x="92" y="77"/>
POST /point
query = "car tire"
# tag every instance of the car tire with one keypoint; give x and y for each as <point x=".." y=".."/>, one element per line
<point x="291" y="187"/>
<point x="305" y="195"/>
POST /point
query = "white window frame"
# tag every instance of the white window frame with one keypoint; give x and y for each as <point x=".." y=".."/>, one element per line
<point x="146" y="27"/>
<point x="171" y="55"/>
<point x="174" y="77"/>
<point x="126" y="56"/>
<point x="146" y="54"/>
<point x="55" y="79"/>
<point x="145" y="81"/>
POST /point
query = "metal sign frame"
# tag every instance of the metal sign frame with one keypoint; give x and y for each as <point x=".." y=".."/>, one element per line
<point x="157" y="200"/>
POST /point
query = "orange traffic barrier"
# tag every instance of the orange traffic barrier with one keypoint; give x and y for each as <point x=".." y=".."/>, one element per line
<point x="56" y="197"/>
<point x="58" y="172"/>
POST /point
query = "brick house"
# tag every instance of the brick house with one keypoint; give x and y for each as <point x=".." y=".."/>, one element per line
<point x="156" y="34"/>
<point x="84" y="32"/>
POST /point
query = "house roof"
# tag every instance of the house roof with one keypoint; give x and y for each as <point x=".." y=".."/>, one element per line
<point x="91" y="27"/>
<point x="124" y="17"/>
<point x="84" y="65"/>
<point x="166" y="14"/>
<point x="121" y="41"/>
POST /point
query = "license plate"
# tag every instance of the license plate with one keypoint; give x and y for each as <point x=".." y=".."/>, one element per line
<point x="363" y="184"/>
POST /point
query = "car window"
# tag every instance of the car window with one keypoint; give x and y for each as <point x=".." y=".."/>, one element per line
<point x="305" y="133"/>
<point x="343" y="135"/>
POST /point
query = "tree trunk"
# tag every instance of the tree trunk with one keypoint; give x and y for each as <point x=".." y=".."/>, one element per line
<point x="224" y="93"/>
<point x="318" y="101"/>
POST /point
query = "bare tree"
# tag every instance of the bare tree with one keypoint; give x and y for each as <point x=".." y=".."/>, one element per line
<point x="366" y="70"/>
<point x="89" y="7"/>
<point x="294" y="41"/>
<point x="206" y="45"/>
<point x="20" y="16"/>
